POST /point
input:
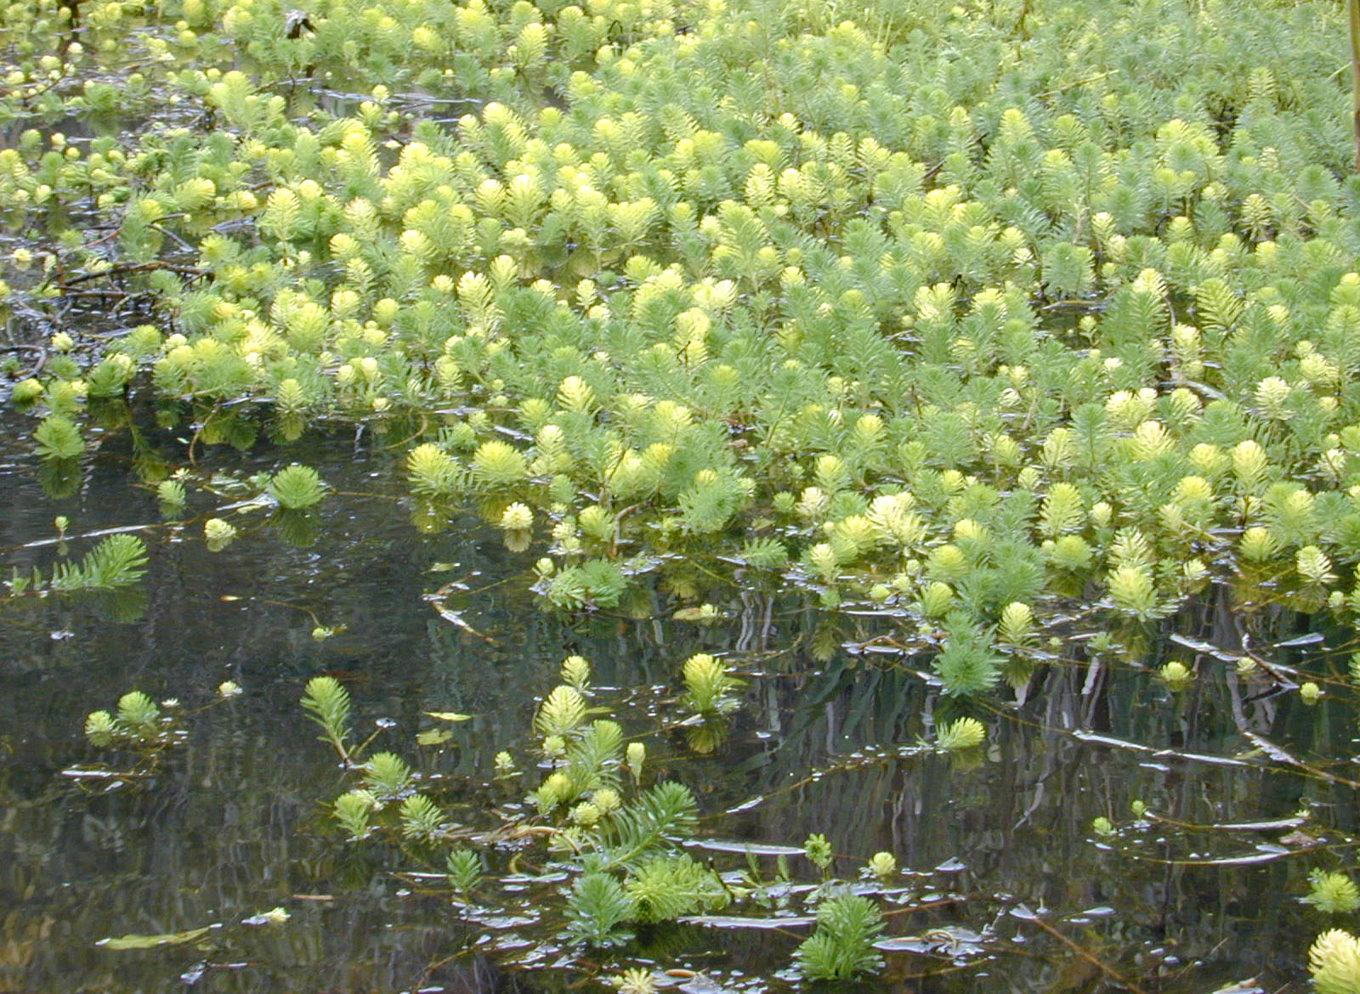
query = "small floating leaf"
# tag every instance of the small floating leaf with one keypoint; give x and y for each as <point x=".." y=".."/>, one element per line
<point x="274" y="916"/>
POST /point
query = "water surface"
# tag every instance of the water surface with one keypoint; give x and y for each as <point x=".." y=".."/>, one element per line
<point x="1025" y="895"/>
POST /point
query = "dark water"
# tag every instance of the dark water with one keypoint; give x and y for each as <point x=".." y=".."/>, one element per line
<point x="232" y="823"/>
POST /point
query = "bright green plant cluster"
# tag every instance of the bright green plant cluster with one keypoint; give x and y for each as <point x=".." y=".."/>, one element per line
<point x="709" y="685"/>
<point x="980" y="316"/>
<point x="297" y="488"/>
<point x="138" y="720"/>
<point x="1332" y="893"/>
<point x="141" y="726"/>
<point x="117" y="562"/>
<point x="113" y="57"/>
<point x="1334" y="961"/>
<point x="973" y="331"/>
<point x="842" y="946"/>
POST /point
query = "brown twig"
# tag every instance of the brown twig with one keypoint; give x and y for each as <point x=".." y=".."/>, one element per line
<point x="1089" y="956"/>
<point x="140" y="267"/>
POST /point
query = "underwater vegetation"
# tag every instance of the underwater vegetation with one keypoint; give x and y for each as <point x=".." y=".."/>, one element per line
<point x="603" y="835"/>
<point x="1020" y="328"/>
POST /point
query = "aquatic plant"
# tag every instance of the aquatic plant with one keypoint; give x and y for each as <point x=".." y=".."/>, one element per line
<point x="635" y="980"/>
<point x="665" y="888"/>
<point x="117" y="562"/>
<point x="966" y="664"/>
<point x="100" y="728"/>
<point x="1176" y="675"/>
<point x="561" y="713"/>
<point x="1353" y="11"/>
<point x="420" y="817"/>
<point x="818" y="851"/>
<point x="387" y="776"/>
<point x="465" y="870"/>
<point x="883" y="865"/>
<point x="172" y="495"/>
<point x="709" y="685"/>
<point x="431" y="471"/>
<point x="962" y="733"/>
<point x="619" y="847"/>
<point x="218" y="533"/>
<point x="352" y="811"/>
<point x="653" y="822"/>
<point x="842" y="948"/>
<point x="1088" y="314"/>
<point x="1334" y="961"/>
<point x="636" y="758"/>
<point x="594" y="584"/>
<point x="597" y="907"/>
<point x="297" y="487"/>
<point x="498" y="465"/>
<point x="137" y="721"/>
<point x="327" y="703"/>
<point x="1024" y="345"/>
<point x="58" y="438"/>
<point x="575" y="673"/>
<point x="516" y="517"/>
<point x="1332" y="893"/>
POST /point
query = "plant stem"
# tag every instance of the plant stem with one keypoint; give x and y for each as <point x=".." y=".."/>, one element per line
<point x="339" y="744"/>
<point x="1354" y="7"/>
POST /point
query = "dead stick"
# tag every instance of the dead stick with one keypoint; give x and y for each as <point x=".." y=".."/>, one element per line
<point x="1090" y="957"/>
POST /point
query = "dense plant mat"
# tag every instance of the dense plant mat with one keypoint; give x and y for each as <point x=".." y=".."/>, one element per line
<point x="988" y="320"/>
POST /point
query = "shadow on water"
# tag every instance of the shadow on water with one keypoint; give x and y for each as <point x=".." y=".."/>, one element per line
<point x="1023" y="894"/>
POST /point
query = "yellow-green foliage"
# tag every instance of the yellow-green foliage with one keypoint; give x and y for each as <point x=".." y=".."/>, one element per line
<point x="1334" y="961"/>
<point x="965" y="325"/>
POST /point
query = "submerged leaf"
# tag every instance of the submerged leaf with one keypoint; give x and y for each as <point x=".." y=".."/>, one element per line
<point x="154" y="941"/>
<point x="449" y="715"/>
